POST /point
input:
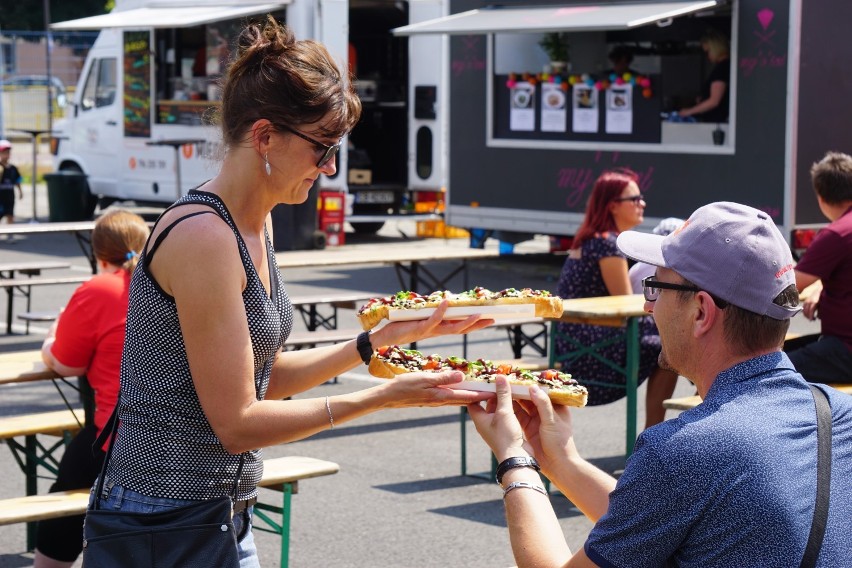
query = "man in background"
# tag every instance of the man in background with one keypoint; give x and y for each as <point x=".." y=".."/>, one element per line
<point x="827" y="357"/>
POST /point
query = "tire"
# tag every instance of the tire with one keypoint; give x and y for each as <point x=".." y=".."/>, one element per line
<point x="367" y="228"/>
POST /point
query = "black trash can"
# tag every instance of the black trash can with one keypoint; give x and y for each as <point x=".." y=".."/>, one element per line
<point x="68" y="196"/>
<point x="294" y="227"/>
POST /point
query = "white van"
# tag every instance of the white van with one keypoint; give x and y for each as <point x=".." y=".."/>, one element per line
<point x="137" y="125"/>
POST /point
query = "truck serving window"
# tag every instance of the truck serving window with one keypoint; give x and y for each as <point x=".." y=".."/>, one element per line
<point x="100" y="84"/>
<point x="651" y="88"/>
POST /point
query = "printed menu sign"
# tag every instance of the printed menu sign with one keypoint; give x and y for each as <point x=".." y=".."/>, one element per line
<point x="137" y="84"/>
<point x="553" y="108"/>
<point x="585" y="107"/>
<point x="619" y="110"/>
<point x="522" y="107"/>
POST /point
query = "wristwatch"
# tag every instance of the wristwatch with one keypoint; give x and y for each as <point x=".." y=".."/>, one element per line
<point x="365" y="348"/>
<point x="512" y="463"/>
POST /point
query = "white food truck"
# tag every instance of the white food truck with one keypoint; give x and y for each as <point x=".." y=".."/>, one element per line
<point x="138" y="130"/>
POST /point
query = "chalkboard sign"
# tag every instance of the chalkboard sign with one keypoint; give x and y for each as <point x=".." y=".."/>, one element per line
<point x="137" y="84"/>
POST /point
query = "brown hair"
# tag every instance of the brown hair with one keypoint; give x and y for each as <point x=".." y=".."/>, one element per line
<point x="598" y="217"/>
<point x="118" y="238"/>
<point x="285" y="81"/>
<point x="832" y="178"/>
<point x="747" y="332"/>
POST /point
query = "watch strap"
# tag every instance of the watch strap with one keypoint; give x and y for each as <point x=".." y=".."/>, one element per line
<point x="365" y="348"/>
<point x="512" y="463"/>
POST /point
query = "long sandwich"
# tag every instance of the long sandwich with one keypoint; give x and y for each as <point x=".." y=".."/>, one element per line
<point x="374" y="311"/>
<point x="390" y="361"/>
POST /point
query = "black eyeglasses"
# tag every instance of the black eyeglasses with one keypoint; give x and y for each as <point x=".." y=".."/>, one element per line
<point x="330" y="151"/>
<point x="651" y="289"/>
<point x="634" y="198"/>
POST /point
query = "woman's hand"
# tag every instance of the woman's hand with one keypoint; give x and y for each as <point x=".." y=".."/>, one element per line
<point x="402" y="332"/>
<point x="428" y="389"/>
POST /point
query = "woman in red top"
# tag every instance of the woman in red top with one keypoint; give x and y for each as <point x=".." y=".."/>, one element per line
<point x="87" y="339"/>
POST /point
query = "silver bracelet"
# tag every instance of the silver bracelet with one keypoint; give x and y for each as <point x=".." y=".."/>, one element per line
<point x="330" y="415"/>
<point x="523" y="485"/>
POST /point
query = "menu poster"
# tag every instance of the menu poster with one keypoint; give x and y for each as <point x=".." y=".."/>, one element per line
<point x="137" y="84"/>
<point x="585" y="105"/>
<point x="522" y="107"/>
<point x="553" y="108"/>
<point x="619" y="109"/>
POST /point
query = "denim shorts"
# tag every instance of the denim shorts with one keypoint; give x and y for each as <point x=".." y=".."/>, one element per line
<point x="119" y="498"/>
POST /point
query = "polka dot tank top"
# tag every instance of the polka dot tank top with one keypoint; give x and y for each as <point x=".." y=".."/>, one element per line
<point x="165" y="447"/>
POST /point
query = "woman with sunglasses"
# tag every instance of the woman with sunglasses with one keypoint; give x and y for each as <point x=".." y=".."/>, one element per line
<point x="595" y="267"/>
<point x="204" y="382"/>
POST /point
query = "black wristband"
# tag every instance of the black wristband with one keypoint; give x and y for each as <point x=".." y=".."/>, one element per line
<point x="365" y="348"/>
<point x="512" y="463"/>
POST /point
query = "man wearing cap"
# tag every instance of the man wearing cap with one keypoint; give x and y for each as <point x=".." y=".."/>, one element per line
<point x="10" y="179"/>
<point x="729" y="483"/>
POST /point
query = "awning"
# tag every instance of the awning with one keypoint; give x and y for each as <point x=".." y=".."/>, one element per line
<point x="555" y="18"/>
<point x="163" y="15"/>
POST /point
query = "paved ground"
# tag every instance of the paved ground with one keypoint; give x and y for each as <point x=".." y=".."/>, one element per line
<point x="399" y="499"/>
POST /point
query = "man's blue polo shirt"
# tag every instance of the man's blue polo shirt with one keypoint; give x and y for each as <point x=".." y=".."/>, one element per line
<point x="732" y="482"/>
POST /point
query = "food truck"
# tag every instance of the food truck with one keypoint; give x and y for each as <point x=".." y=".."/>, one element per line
<point x="528" y="136"/>
<point x="138" y="126"/>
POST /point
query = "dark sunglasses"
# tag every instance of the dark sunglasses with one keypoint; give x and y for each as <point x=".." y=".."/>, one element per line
<point x="634" y="198"/>
<point x="651" y="289"/>
<point x="330" y="151"/>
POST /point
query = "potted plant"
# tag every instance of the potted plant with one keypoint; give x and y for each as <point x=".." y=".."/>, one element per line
<point x="555" y="45"/>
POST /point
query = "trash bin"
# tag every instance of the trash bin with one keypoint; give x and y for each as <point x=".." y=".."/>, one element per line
<point x="68" y="196"/>
<point x="294" y="227"/>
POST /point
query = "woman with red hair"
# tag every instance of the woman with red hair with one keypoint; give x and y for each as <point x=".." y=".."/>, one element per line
<point x="595" y="267"/>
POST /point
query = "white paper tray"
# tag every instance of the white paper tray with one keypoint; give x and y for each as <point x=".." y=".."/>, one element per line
<point x="518" y="391"/>
<point x="461" y="312"/>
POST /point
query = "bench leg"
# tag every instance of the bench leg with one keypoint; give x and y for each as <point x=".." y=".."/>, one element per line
<point x="271" y="526"/>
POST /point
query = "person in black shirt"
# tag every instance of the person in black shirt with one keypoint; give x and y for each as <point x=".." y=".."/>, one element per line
<point x="10" y="180"/>
<point x="713" y="104"/>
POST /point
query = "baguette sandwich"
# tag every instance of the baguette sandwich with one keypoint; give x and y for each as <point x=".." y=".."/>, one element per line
<point x="378" y="309"/>
<point x="390" y="361"/>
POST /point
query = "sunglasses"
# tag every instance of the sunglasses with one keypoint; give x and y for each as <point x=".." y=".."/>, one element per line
<point x="634" y="198"/>
<point x="651" y="289"/>
<point x="329" y="151"/>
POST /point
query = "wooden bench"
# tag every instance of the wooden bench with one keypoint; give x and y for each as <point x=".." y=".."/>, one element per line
<point x="279" y="474"/>
<point x="308" y="307"/>
<point x="24" y="287"/>
<point x="306" y="339"/>
<point x="519" y="337"/>
<point x="688" y="402"/>
<point x="27" y="268"/>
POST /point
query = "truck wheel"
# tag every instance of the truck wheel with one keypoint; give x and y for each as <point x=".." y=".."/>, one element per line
<point x="367" y="228"/>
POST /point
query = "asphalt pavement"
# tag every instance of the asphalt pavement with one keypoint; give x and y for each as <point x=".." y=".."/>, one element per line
<point x="400" y="499"/>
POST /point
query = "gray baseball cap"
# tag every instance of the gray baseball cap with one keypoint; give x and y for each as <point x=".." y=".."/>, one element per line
<point x="732" y="251"/>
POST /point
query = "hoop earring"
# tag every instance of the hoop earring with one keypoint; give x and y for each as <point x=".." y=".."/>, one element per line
<point x="266" y="166"/>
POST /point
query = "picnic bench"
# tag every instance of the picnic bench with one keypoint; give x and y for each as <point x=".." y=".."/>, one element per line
<point x="308" y="306"/>
<point x="11" y="284"/>
<point x="279" y="474"/>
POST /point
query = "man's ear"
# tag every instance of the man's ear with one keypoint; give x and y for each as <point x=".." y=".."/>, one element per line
<point x="707" y="314"/>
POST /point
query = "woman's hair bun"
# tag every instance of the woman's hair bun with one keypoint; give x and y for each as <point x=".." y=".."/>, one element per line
<point x="267" y="39"/>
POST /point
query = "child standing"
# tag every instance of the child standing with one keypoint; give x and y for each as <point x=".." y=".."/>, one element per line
<point x="10" y="179"/>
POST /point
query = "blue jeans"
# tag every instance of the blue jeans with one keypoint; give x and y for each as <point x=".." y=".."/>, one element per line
<point x="122" y="499"/>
